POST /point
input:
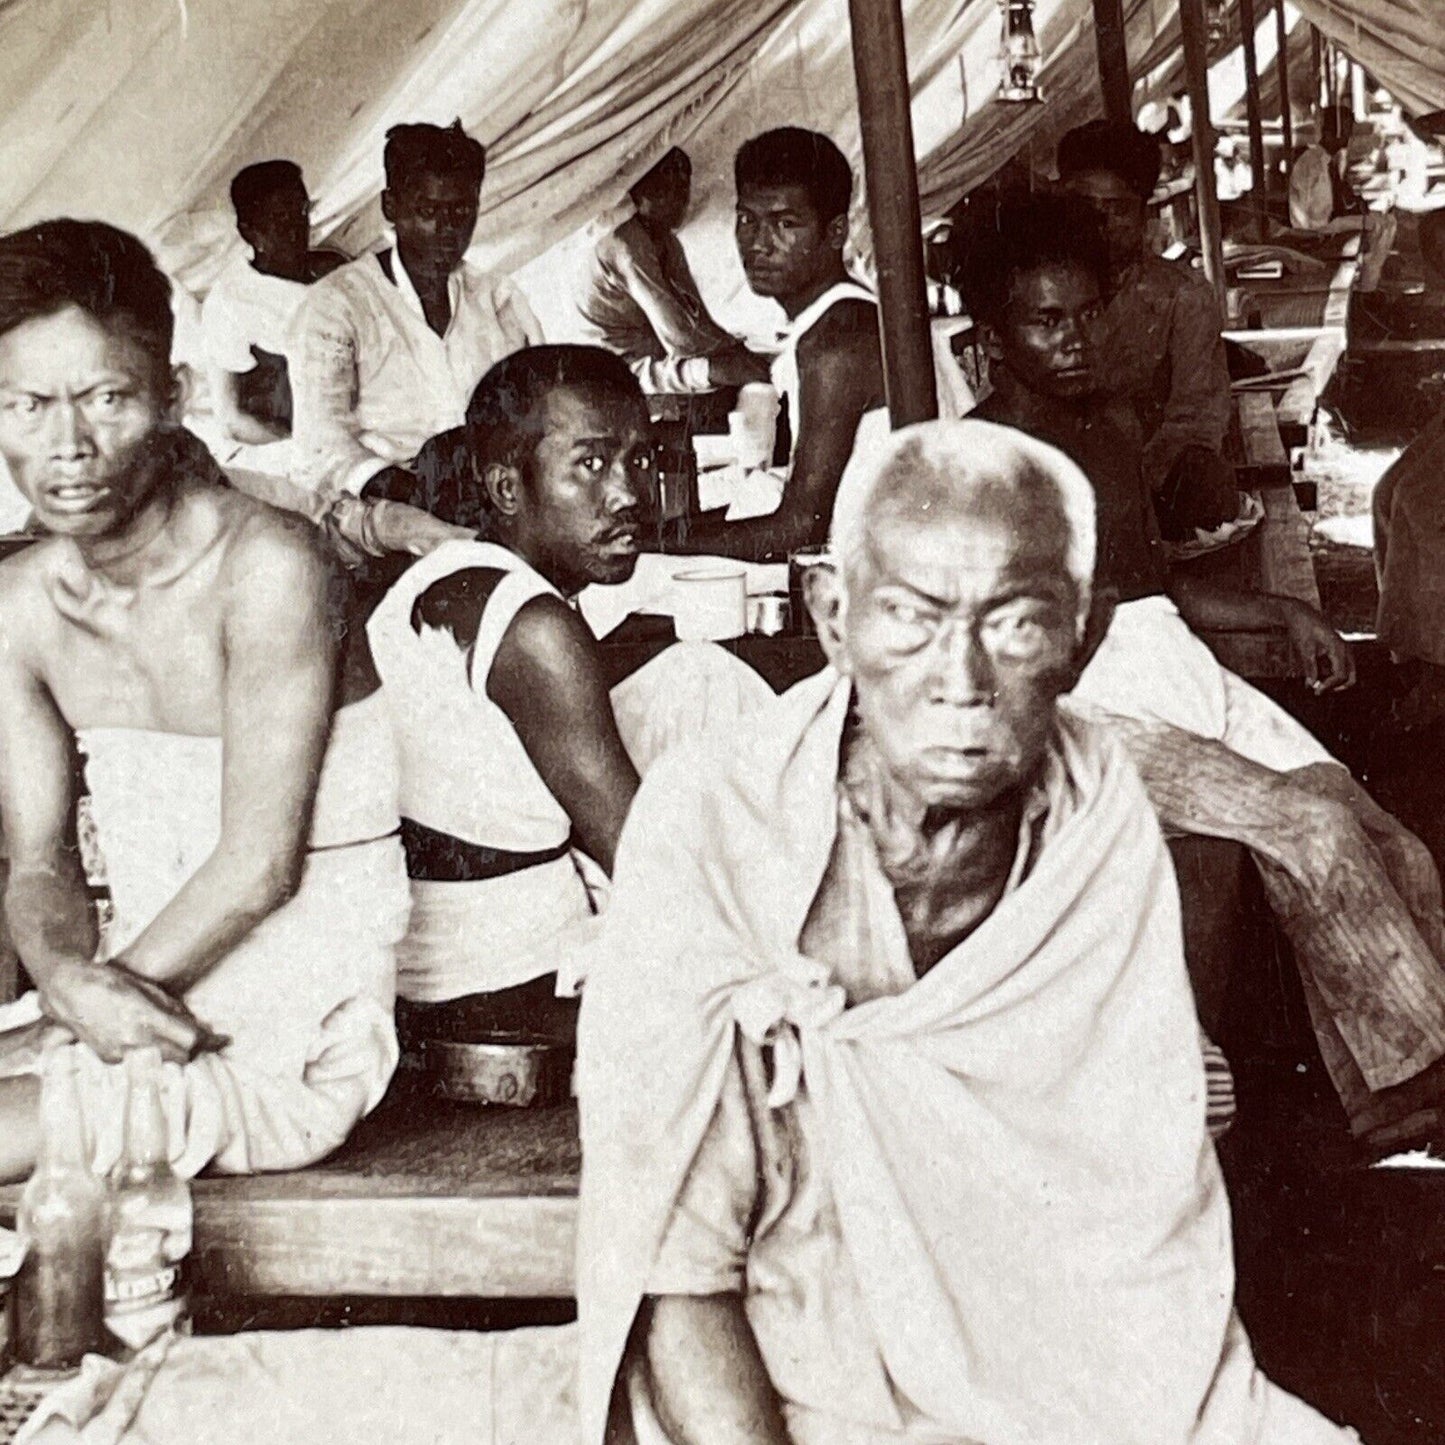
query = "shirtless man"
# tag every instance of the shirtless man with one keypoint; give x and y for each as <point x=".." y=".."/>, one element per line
<point x="178" y="636"/>
<point x="793" y="192"/>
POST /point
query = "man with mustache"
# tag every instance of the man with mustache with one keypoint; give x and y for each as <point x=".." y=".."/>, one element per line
<point x="1355" y="892"/>
<point x="920" y="1153"/>
<point x="181" y="638"/>
<point x="513" y="751"/>
<point x="387" y="349"/>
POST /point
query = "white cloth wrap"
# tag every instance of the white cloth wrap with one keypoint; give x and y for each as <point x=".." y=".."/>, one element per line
<point x="465" y="772"/>
<point x="1152" y="667"/>
<point x="306" y="997"/>
<point x="1015" y="1145"/>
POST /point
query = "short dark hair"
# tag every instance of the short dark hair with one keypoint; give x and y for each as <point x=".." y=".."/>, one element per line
<point x="104" y="271"/>
<point x="795" y="157"/>
<point x="1116" y="146"/>
<point x="676" y="162"/>
<point x="504" y="423"/>
<point x="421" y="149"/>
<point x="255" y="184"/>
<point x="1021" y="235"/>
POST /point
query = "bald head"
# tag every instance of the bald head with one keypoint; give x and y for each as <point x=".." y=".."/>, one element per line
<point x="959" y="606"/>
<point x="933" y="477"/>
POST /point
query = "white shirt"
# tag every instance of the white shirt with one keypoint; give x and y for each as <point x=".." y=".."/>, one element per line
<point x="1311" y="193"/>
<point x="371" y="381"/>
<point x="247" y="308"/>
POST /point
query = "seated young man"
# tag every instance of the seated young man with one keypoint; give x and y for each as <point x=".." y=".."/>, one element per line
<point x="247" y="314"/>
<point x="793" y="192"/>
<point x="921" y="1155"/>
<point x="178" y="636"/>
<point x="1357" y="895"/>
<point x="513" y="752"/>
<point x="639" y="299"/>
<point x="387" y="350"/>
<point x="1160" y="346"/>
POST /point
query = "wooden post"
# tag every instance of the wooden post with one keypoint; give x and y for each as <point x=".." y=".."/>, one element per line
<point x="1109" y="42"/>
<point x="1281" y="63"/>
<point x="1196" y="69"/>
<point x="880" y="62"/>
<point x="1248" y="27"/>
<point x="1317" y="64"/>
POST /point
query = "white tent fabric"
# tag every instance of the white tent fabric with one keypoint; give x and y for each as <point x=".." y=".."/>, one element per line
<point x="1400" y="42"/>
<point x="140" y="110"/>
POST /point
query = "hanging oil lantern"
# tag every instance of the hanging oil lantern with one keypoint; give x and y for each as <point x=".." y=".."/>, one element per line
<point x="1019" y="55"/>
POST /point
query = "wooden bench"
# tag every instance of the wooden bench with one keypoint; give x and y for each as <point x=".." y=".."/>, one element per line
<point x="431" y="1199"/>
<point x="1276" y="558"/>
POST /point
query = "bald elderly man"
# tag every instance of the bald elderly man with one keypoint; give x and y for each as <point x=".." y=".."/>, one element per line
<point x="922" y="1152"/>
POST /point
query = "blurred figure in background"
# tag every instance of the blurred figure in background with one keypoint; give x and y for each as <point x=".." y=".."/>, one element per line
<point x="1160" y="346"/>
<point x="247" y="315"/>
<point x="639" y="299"/>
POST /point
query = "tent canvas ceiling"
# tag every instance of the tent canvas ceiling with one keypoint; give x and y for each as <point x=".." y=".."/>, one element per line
<point x="139" y="111"/>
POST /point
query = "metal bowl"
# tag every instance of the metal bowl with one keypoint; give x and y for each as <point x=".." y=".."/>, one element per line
<point x="517" y="1074"/>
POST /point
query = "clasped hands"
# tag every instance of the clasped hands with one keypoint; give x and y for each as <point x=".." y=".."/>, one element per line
<point x="114" y="1011"/>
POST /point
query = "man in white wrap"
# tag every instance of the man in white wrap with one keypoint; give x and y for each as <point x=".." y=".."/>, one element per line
<point x="518" y="761"/>
<point x="794" y="188"/>
<point x="893" y="1117"/>
<point x="181" y="638"/>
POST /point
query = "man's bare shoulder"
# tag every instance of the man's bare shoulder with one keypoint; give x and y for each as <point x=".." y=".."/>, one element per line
<point x="262" y="541"/>
<point x="849" y="325"/>
<point x="550" y="636"/>
<point x="24" y="596"/>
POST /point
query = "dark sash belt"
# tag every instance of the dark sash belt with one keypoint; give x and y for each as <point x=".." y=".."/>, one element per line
<point x="433" y="857"/>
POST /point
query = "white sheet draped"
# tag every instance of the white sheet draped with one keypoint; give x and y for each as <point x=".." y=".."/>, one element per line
<point x="140" y="113"/>
<point x="1028" y="1118"/>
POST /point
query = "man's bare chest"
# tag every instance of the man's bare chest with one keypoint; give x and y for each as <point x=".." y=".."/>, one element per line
<point x="153" y="661"/>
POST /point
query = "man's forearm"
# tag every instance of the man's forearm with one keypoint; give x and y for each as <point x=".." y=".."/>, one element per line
<point x="709" y="1383"/>
<point x="758" y="539"/>
<point x="50" y="918"/>
<point x="215" y="909"/>
<point x="1209" y="606"/>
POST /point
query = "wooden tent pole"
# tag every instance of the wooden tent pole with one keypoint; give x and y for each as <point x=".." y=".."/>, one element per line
<point x="880" y="62"/>
<point x="1109" y="42"/>
<point x="1248" y="31"/>
<point x="1281" y="65"/>
<point x="1196" y="69"/>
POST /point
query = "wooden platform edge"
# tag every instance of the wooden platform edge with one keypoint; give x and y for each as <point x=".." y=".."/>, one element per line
<point x="450" y="1247"/>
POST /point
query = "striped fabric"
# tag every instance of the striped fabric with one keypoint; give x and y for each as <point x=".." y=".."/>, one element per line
<point x="1361" y="908"/>
<point x="1220" y="1105"/>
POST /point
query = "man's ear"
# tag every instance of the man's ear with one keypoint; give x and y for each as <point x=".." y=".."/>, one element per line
<point x="179" y="393"/>
<point x="503" y="486"/>
<point x="838" y="232"/>
<point x="823" y="597"/>
<point x="388" y="206"/>
<point x="992" y="346"/>
<point x="1096" y="626"/>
